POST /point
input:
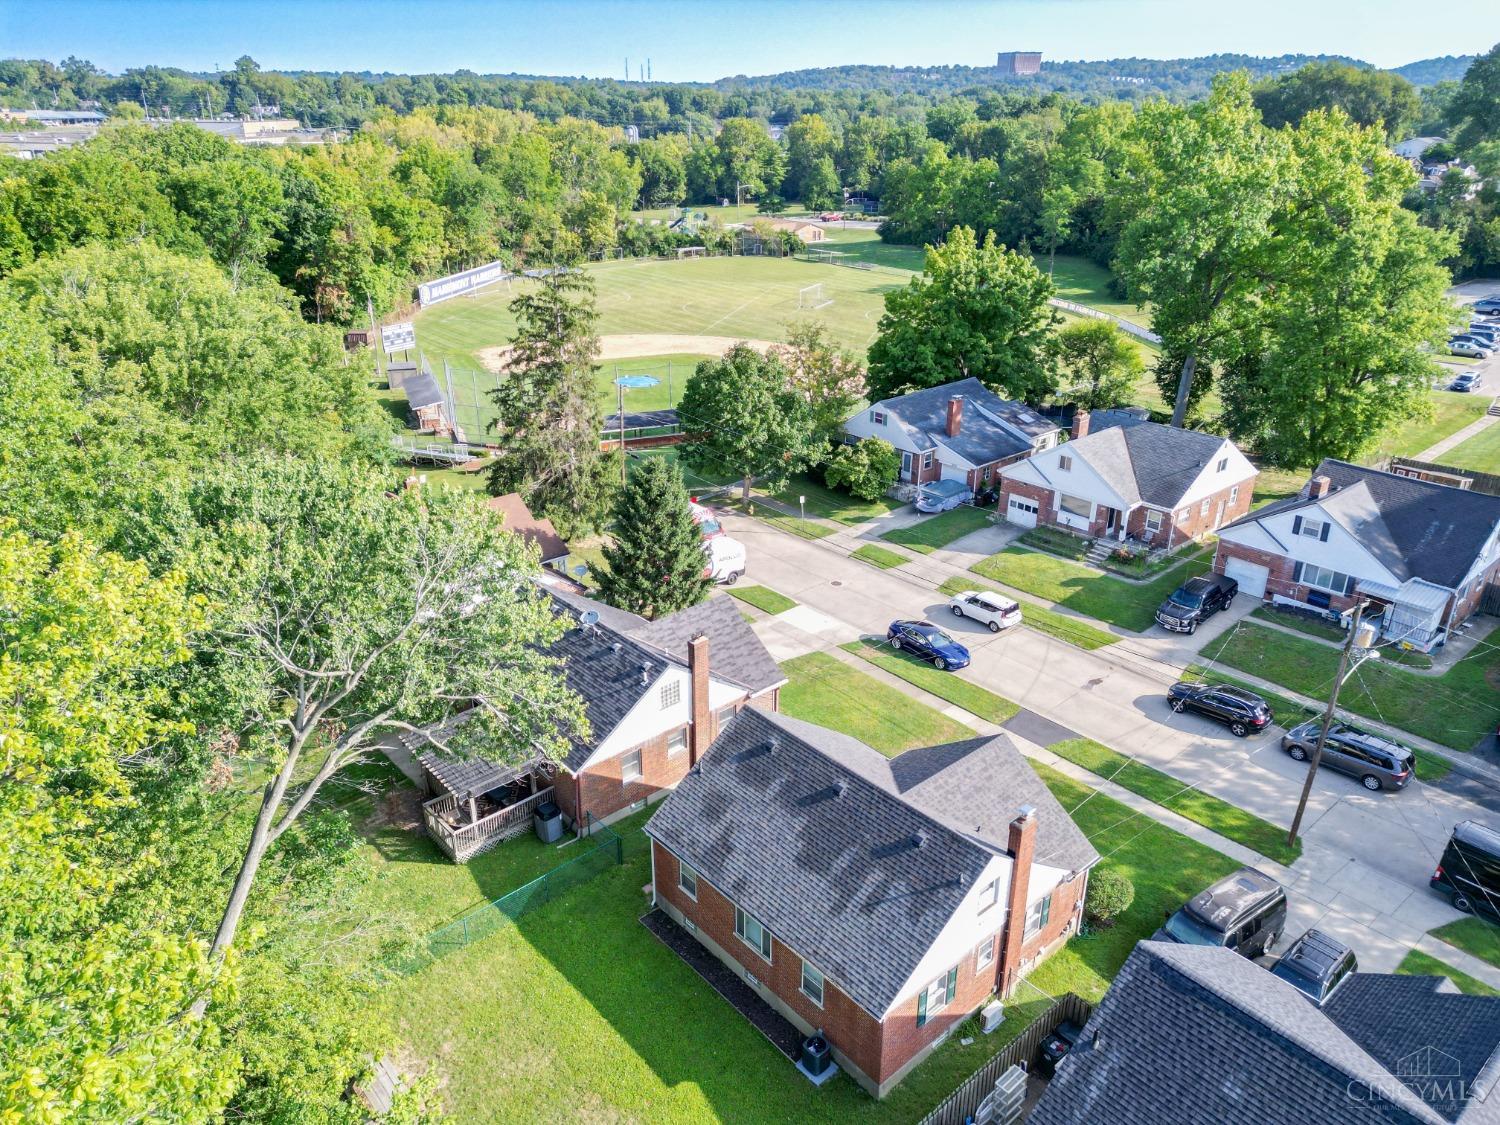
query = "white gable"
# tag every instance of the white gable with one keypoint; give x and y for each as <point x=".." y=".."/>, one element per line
<point x="1341" y="551"/>
<point x="1079" y="479"/>
<point x="1237" y="470"/>
<point x="648" y="719"/>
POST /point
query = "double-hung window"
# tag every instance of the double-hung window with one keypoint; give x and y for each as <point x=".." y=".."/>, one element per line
<point x="1223" y="464"/>
<point x="937" y="996"/>
<point x="984" y="956"/>
<point x="1037" y="914"/>
<point x="1203" y="509"/>
<point x="752" y="933"/>
<point x="927" y="459"/>
<point x="989" y="894"/>
<point x="877" y="417"/>
<point x="677" y="743"/>
<point x="1064" y="463"/>
<point x="687" y="879"/>
<point x="1153" y="521"/>
<point x="630" y="767"/>
<point x="812" y="984"/>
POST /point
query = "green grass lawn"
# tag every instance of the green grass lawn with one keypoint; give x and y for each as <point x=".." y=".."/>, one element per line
<point x="1451" y="411"/>
<point x="880" y="557"/>
<point x="945" y="685"/>
<point x="866" y="246"/>
<point x="1323" y="630"/>
<point x="1167" y="791"/>
<point x="1166" y="868"/>
<point x="1276" y="484"/>
<point x="826" y="691"/>
<point x="1130" y="605"/>
<point x="763" y="597"/>
<point x="936" y="532"/>
<point x="806" y="529"/>
<point x="1456" y="709"/>
<point x="1481" y="452"/>
<point x="1476" y="935"/>
<point x="831" y="504"/>
<point x="1087" y="283"/>
<point x="1054" y="624"/>
<point x="1418" y="964"/>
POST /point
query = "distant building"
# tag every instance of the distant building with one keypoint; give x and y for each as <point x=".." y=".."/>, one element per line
<point x="53" y="116"/>
<point x="1018" y="62"/>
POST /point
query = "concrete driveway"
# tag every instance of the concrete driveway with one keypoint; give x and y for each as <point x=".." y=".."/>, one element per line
<point x="1366" y="857"/>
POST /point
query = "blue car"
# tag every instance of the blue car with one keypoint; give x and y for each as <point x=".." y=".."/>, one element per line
<point x="924" y="639"/>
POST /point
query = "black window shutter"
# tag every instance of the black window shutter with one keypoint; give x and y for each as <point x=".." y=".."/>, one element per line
<point x="1296" y="525"/>
<point x="1323" y="535"/>
<point x="1297" y="571"/>
<point x="1348" y="583"/>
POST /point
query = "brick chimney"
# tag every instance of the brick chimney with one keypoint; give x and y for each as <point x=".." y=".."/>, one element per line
<point x="1319" y="487"/>
<point x="699" y="734"/>
<point x="1080" y="424"/>
<point x="1022" y="847"/>
<point x="955" y="415"/>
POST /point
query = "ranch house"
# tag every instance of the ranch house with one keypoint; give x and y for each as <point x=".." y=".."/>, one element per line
<point x="1157" y="485"/>
<point x="1420" y="553"/>
<point x="959" y="431"/>
<point x="654" y="705"/>
<point x="877" y="901"/>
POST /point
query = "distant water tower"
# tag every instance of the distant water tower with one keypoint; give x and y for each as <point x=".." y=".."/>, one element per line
<point x="1018" y="63"/>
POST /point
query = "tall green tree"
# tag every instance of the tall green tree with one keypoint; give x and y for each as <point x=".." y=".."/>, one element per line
<point x="828" y="378"/>
<point x="547" y="412"/>
<point x="1372" y="98"/>
<point x="1199" y="191"/>
<point x="1355" y="306"/>
<point x="655" y="560"/>
<point x="1100" y="364"/>
<point x="1474" y="109"/>
<point x="977" y="311"/>
<point x="345" y="615"/>
<point x="746" y="419"/>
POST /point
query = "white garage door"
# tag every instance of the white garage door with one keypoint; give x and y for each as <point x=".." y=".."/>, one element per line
<point x="1251" y="576"/>
<point x="1021" y="512"/>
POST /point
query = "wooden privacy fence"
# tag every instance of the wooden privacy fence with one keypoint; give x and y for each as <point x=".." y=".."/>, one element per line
<point x="961" y="1104"/>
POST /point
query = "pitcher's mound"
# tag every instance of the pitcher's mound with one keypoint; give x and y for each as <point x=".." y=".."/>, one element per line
<point x="632" y="345"/>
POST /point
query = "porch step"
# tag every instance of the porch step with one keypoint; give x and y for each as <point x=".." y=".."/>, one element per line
<point x="1494" y="406"/>
<point x="1099" y="551"/>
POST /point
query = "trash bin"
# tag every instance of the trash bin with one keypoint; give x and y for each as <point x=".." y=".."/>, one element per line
<point x="1056" y="1047"/>
<point x="548" y="821"/>
<point x="816" y="1055"/>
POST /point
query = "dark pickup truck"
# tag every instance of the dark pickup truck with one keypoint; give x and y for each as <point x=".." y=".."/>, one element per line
<point x="1195" y="601"/>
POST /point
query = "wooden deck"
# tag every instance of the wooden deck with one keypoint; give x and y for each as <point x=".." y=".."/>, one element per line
<point x="461" y="843"/>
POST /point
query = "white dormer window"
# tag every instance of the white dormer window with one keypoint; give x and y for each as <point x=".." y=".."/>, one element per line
<point x="671" y="694"/>
<point x="989" y="894"/>
<point x="877" y="417"/>
<point x="1065" y="463"/>
<point x="1223" y="464"/>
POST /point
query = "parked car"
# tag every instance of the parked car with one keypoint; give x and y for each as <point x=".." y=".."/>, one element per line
<point x="1469" y="347"/>
<point x="1487" y="305"/>
<point x="1240" y="710"/>
<point x="1378" y="762"/>
<point x="1316" y="964"/>
<point x="1194" y="601"/>
<point x="726" y="559"/>
<point x="994" y="610"/>
<point x="924" y="639"/>
<point x="830" y="217"/>
<point x="1468" y="381"/>
<point x="1469" y="870"/>
<point x="940" y="495"/>
<point x="1485" y="333"/>
<point x="1245" y="912"/>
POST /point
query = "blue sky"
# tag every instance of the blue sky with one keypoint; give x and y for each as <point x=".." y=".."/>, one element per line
<point x="695" y="40"/>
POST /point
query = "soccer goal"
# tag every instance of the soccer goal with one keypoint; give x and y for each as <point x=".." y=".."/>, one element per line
<point x="812" y="297"/>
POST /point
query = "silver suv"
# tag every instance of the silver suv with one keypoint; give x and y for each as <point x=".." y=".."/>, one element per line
<point x="1378" y="762"/>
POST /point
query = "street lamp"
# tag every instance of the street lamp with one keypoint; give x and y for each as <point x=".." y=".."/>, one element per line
<point x="802" y="503"/>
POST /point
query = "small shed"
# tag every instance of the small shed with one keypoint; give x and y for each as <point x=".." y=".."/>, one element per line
<point x="428" y="406"/>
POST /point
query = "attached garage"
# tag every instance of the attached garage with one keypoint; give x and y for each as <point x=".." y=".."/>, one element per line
<point x="1251" y="576"/>
<point x="1021" y="511"/>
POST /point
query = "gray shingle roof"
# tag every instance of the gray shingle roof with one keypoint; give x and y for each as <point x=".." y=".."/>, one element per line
<point x="992" y="429"/>
<point x="1416" y="528"/>
<point x="421" y="390"/>
<point x="1197" y="1034"/>
<point x="1148" y="462"/>
<point x="838" y="853"/>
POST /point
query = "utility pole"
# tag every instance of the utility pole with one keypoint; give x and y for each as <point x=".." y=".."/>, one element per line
<point x="620" y="387"/>
<point x="1333" y="699"/>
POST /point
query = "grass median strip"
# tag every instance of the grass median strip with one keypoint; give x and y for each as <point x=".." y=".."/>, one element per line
<point x="1034" y="617"/>
<point x="879" y="556"/>
<point x="1167" y="791"/>
<point x="823" y="689"/>
<point x="1418" y="964"/>
<point x="1457" y="708"/>
<point x="945" y="685"/>
<point x="800" y="527"/>
<point x="938" y="531"/>
<point x="763" y="597"/>
<point x="1477" y="936"/>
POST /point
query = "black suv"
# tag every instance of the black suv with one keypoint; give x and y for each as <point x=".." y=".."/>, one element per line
<point x="1378" y="762"/>
<point x="1245" y="912"/>
<point x="1240" y="710"/>
<point x="1316" y="964"/>
<point x="1194" y="601"/>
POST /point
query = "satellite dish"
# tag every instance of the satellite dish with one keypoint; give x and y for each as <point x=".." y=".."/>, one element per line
<point x="589" y="617"/>
<point x="580" y="570"/>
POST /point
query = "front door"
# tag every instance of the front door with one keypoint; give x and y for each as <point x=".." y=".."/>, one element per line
<point x="906" y="466"/>
<point x="1111" y="519"/>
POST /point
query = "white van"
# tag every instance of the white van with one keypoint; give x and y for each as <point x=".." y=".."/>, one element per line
<point x="726" y="559"/>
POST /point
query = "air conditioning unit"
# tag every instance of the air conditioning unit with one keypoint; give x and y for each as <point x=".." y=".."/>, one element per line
<point x="992" y="1015"/>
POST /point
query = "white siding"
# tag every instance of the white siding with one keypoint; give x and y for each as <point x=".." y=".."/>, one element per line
<point x="1341" y="552"/>
<point x="861" y="426"/>
<point x="1079" y="480"/>
<point x="648" y="719"/>
<point x="1210" y="480"/>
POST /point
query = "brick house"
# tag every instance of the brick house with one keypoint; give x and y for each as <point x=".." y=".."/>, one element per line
<point x="656" y="694"/>
<point x="1419" y="553"/>
<point x="959" y="431"/>
<point x="877" y="901"/>
<point x="1156" y="484"/>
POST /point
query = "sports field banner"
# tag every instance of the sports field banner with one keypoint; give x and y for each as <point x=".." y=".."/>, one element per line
<point x="398" y="337"/>
<point x="456" y="285"/>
